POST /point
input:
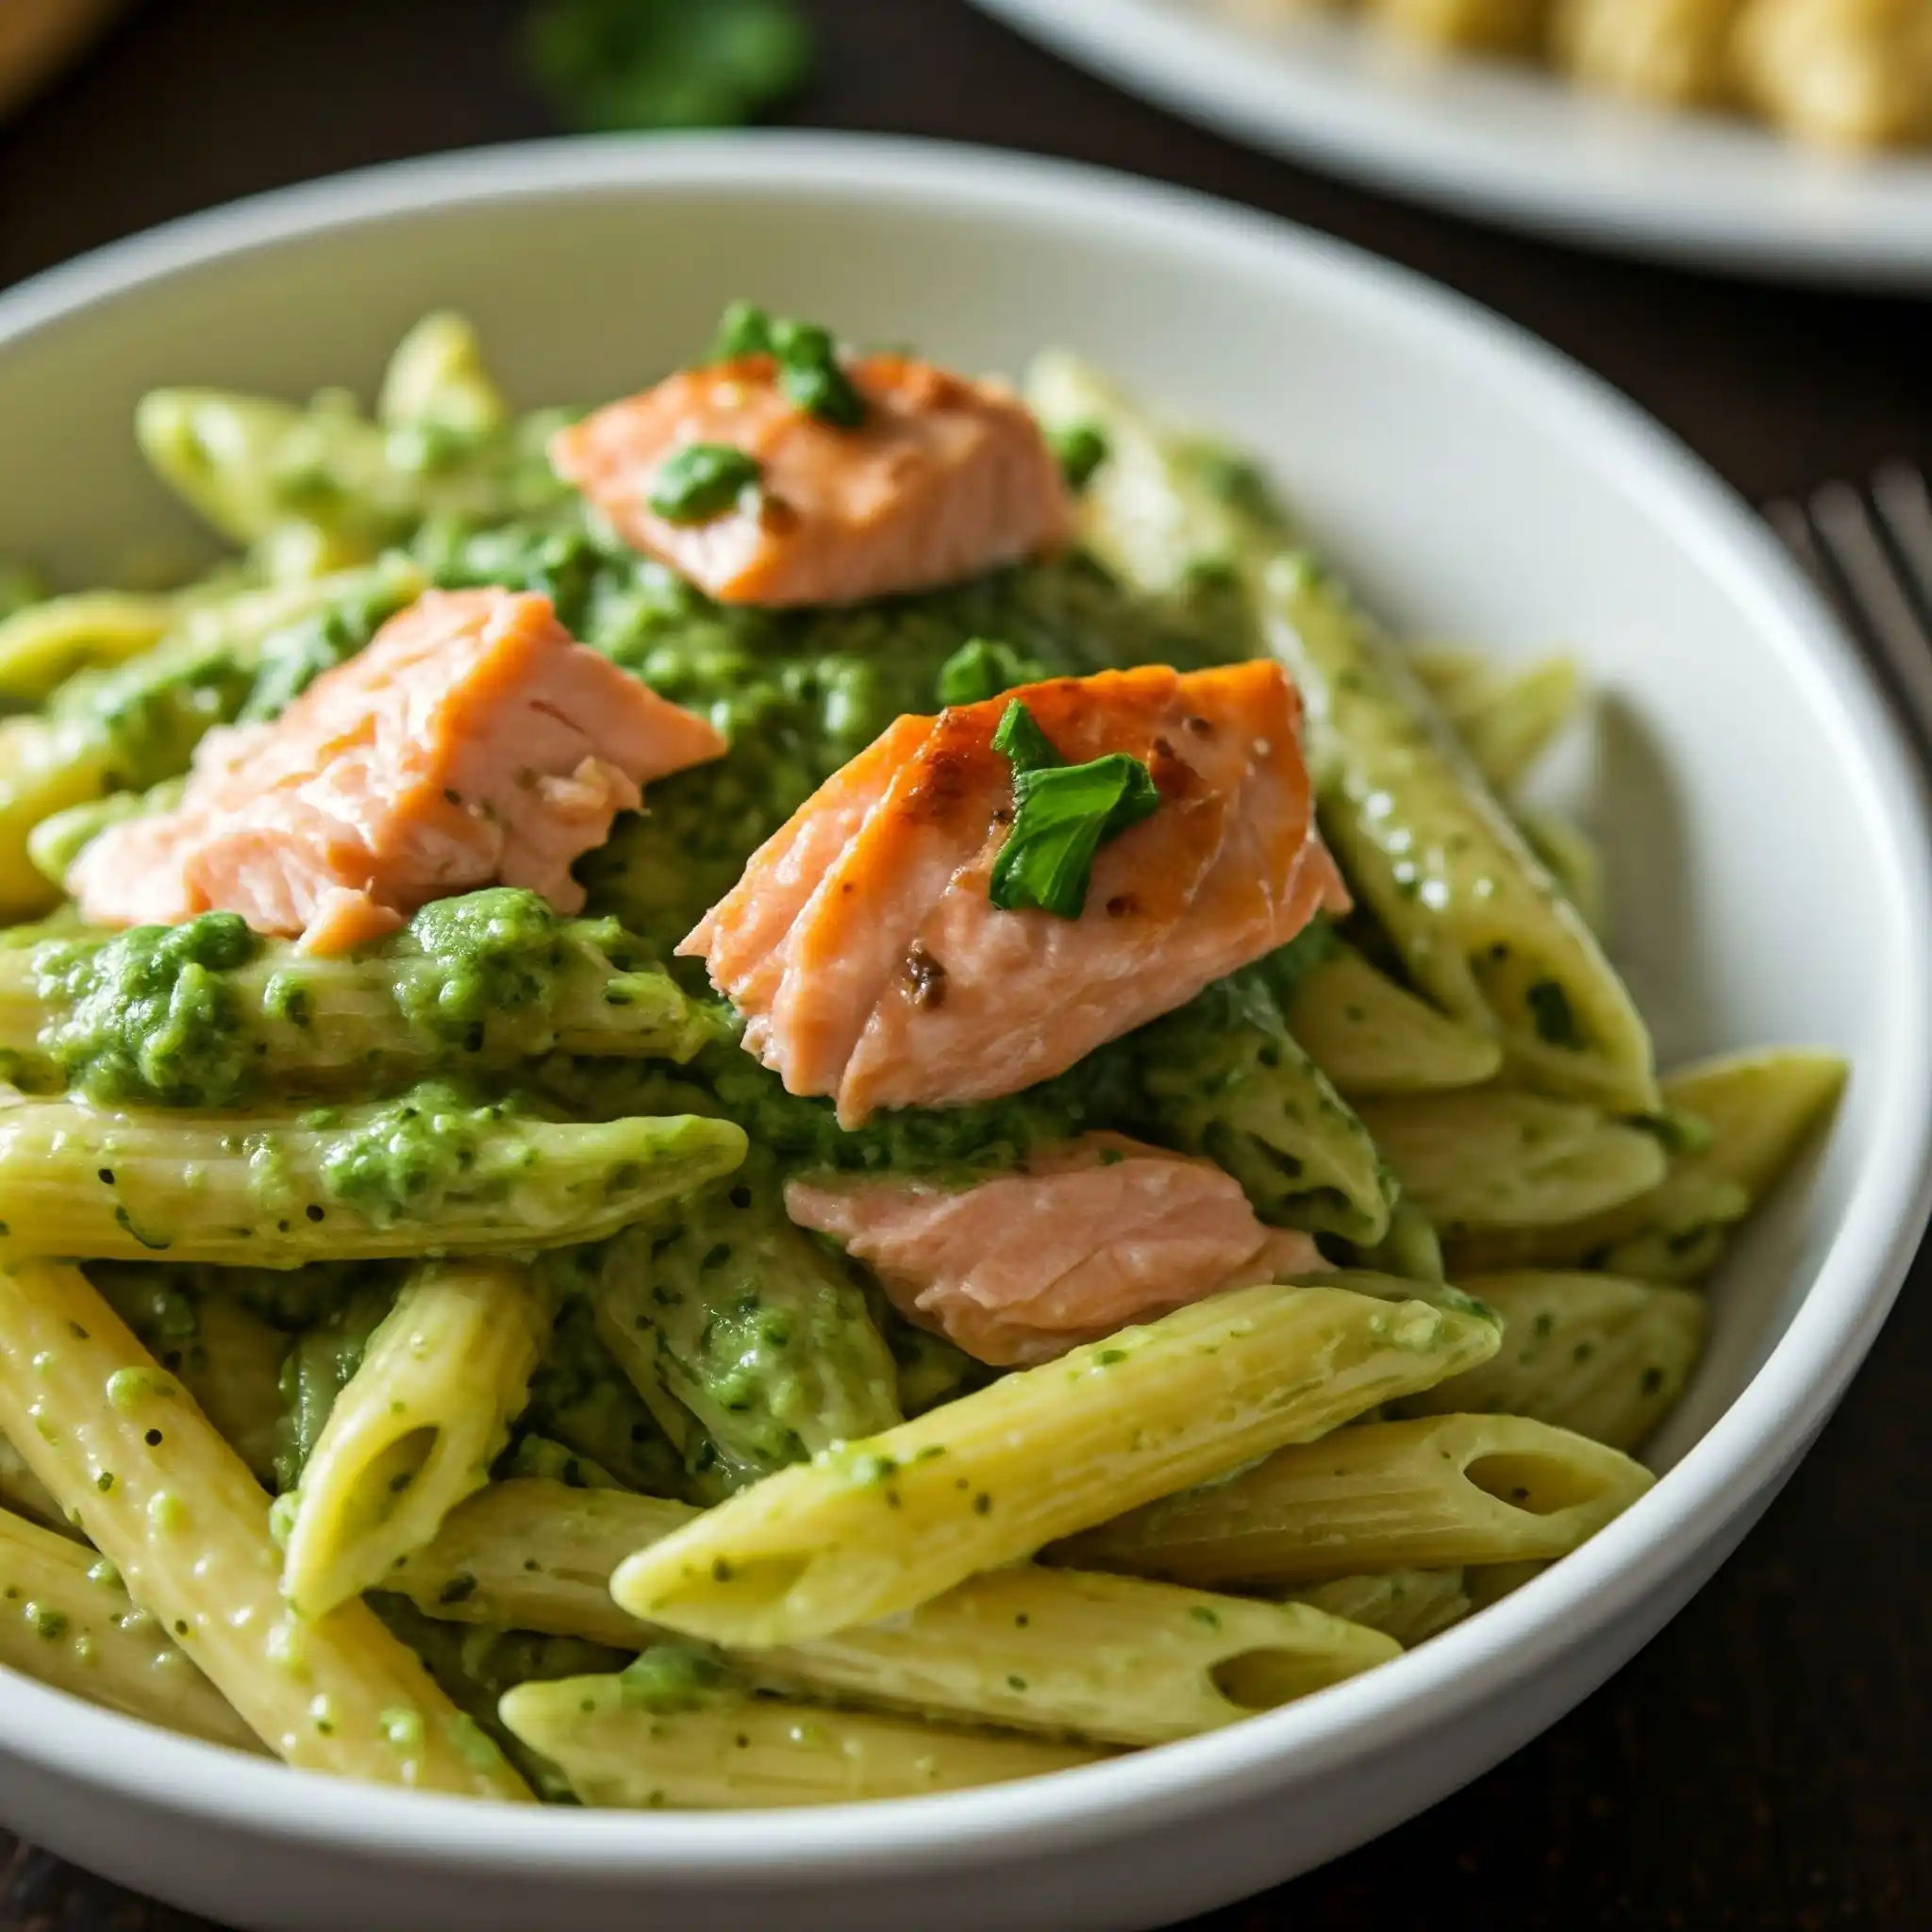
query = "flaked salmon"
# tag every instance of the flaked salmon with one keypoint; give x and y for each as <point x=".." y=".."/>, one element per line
<point x="942" y="478"/>
<point x="1082" y="1241"/>
<point x="863" y="952"/>
<point x="472" y="742"/>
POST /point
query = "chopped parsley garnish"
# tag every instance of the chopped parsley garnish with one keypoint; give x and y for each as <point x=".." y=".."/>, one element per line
<point x="1063" y="814"/>
<point x="702" y="481"/>
<point x="609" y="64"/>
<point x="1081" y="448"/>
<point x="981" y="668"/>
<point x="809" y="373"/>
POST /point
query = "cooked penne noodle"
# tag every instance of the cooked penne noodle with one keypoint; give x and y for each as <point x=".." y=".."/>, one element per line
<point x="45" y="643"/>
<point x="1373" y="1037"/>
<point x="278" y="1190"/>
<point x="228" y="1358"/>
<point x="757" y="1752"/>
<point x="1605" y="1357"/>
<point x="1492" y="1582"/>
<point x="878" y="1525"/>
<point x="1493" y="1159"/>
<point x="1505" y="718"/>
<point x="66" y="1620"/>
<point x="24" y="1492"/>
<point x="1847" y="73"/>
<point x="1758" y="1111"/>
<point x="1572" y="858"/>
<point x="755" y="1330"/>
<point x="1450" y="1489"/>
<point x="1111" y="1660"/>
<point x="1474" y="915"/>
<point x="1408" y="1605"/>
<point x="417" y="1427"/>
<point x="472" y="983"/>
<point x="174" y="1508"/>
<point x="437" y="378"/>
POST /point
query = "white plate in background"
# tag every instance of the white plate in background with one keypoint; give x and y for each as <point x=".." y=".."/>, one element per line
<point x="1510" y="144"/>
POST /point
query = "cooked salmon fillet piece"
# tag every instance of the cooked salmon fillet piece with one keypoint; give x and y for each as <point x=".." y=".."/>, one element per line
<point x="867" y="962"/>
<point x="472" y="742"/>
<point x="944" y="479"/>
<point x="1083" y="1240"/>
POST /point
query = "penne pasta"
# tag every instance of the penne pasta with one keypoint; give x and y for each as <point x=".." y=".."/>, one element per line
<point x="167" y="1502"/>
<point x="1604" y="1357"/>
<point x="878" y="1525"/>
<point x="1493" y="1159"/>
<point x="1476" y="918"/>
<point x="474" y="983"/>
<point x="1446" y="1491"/>
<point x="429" y="1172"/>
<point x="725" y="1754"/>
<point x="1504" y="718"/>
<point x="1110" y="1659"/>
<point x="416" y="1428"/>
<point x="66" y="1620"/>
<point x="1755" y="1113"/>
<point x="1371" y="1037"/>
<point x="1410" y="1606"/>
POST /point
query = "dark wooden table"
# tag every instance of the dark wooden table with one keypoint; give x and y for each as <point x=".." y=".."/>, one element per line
<point x="1767" y="1762"/>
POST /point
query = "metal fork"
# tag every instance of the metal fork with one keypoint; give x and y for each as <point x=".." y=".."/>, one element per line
<point x="1869" y="550"/>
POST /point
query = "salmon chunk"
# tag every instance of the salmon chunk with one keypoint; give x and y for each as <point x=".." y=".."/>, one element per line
<point x="1084" y="1239"/>
<point x="863" y="952"/>
<point x="472" y="742"/>
<point x="943" y="479"/>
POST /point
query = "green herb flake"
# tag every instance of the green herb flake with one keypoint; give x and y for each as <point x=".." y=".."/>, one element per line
<point x="1080" y="449"/>
<point x="702" y="482"/>
<point x="1063" y="814"/>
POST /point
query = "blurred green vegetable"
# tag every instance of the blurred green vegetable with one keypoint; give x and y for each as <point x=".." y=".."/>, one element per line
<point x="608" y="64"/>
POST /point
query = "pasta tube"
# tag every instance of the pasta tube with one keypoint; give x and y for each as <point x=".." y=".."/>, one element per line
<point x="1479" y="923"/>
<point x="1490" y="1157"/>
<point x="417" y="1427"/>
<point x="1450" y="1489"/>
<point x="436" y="378"/>
<point x="207" y="1013"/>
<point x="1109" y="1659"/>
<point x="429" y="1172"/>
<point x="1406" y="1605"/>
<point x="1222" y="1076"/>
<point x="620" y="1748"/>
<point x="1505" y="718"/>
<point x="1759" y="1110"/>
<point x="47" y="643"/>
<point x="1371" y="1037"/>
<point x="228" y="1358"/>
<point x="173" y="1507"/>
<point x="757" y="1331"/>
<point x="22" y="1492"/>
<point x="878" y="1525"/>
<point x="1606" y="1358"/>
<point x="66" y="1619"/>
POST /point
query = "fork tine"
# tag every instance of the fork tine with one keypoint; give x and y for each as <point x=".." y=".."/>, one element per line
<point x="1867" y="568"/>
<point x="1905" y="517"/>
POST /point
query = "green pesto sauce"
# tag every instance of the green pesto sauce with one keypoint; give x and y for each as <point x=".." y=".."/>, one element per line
<point x="148" y="1015"/>
<point x="672" y="1677"/>
<point x="500" y="951"/>
<point x="404" y="1156"/>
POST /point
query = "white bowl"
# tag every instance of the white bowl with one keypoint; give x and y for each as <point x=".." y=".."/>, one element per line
<point x="1766" y="838"/>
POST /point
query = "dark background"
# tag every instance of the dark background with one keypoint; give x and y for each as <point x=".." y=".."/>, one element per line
<point x="1767" y="1762"/>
